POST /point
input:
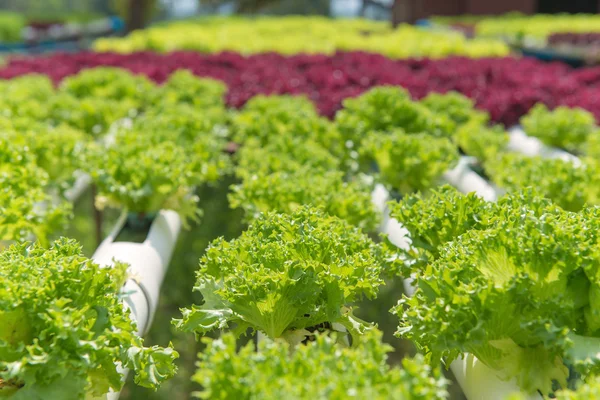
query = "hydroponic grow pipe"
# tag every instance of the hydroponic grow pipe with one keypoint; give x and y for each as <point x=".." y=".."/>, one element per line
<point x="82" y="182"/>
<point x="520" y="142"/>
<point x="466" y="180"/>
<point x="479" y="382"/>
<point x="148" y="263"/>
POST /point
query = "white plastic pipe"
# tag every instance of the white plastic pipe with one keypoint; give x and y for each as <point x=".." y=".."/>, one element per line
<point x="479" y="382"/>
<point x="520" y="142"/>
<point x="82" y="182"/>
<point x="397" y="234"/>
<point x="148" y="262"/>
<point x="466" y="180"/>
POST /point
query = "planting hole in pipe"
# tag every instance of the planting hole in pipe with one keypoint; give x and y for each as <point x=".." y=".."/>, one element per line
<point x="136" y="227"/>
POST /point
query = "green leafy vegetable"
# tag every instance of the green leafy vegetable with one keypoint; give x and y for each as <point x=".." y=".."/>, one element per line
<point x="586" y="391"/>
<point x="483" y="143"/>
<point x="93" y="115"/>
<point x="285" y="274"/>
<point x="438" y="218"/>
<point x="201" y="134"/>
<point x="385" y="109"/>
<point x="58" y="151"/>
<point x="27" y="211"/>
<point x="182" y="123"/>
<point x="264" y="104"/>
<point x="569" y="185"/>
<point x="519" y="293"/>
<point x="27" y="87"/>
<point x="563" y="127"/>
<point x="287" y="191"/>
<point x="183" y="87"/>
<point x="592" y="146"/>
<point x="142" y="177"/>
<point x="63" y="328"/>
<point x="25" y="99"/>
<point x="110" y="84"/>
<point x="266" y="118"/>
<point x="318" y="370"/>
<point x="283" y="154"/>
<point x="409" y="162"/>
<point x="459" y="108"/>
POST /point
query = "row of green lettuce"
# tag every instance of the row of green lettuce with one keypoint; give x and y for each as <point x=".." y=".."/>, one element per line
<point x="517" y="26"/>
<point x="12" y="24"/>
<point x="304" y="183"/>
<point x="168" y="146"/>
<point x="514" y="282"/>
<point x="292" y="35"/>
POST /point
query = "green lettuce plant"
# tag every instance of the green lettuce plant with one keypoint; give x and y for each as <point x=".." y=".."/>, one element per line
<point x="265" y="118"/>
<point x="409" y="162"/>
<point x="569" y="185"/>
<point x="563" y="127"/>
<point x="459" y="108"/>
<point x="27" y="210"/>
<point x="286" y="191"/>
<point x="318" y="370"/>
<point x="286" y="274"/>
<point x="482" y="142"/>
<point x="108" y="83"/>
<point x="184" y="87"/>
<point x="201" y="134"/>
<point x="283" y="154"/>
<point x="519" y="292"/>
<point x="435" y="219"/>
<point x="142" y="177"/>
<point x="386" y="109"/>
<point x="56" y="150"/>
<point x="64" y="333"/>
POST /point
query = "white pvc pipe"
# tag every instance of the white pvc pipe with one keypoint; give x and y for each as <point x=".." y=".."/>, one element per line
<point x="479" y="382"/>
<point x="466" y="180"/>
<point x="520" y="142"/>
<point x="82" y="182"/>
<point x="397" y="234"/>
<point x="148" y="263"/>
<point x="148" y="260"/>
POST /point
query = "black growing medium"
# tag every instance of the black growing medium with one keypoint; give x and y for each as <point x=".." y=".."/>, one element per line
<point x="136" y="227"/>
